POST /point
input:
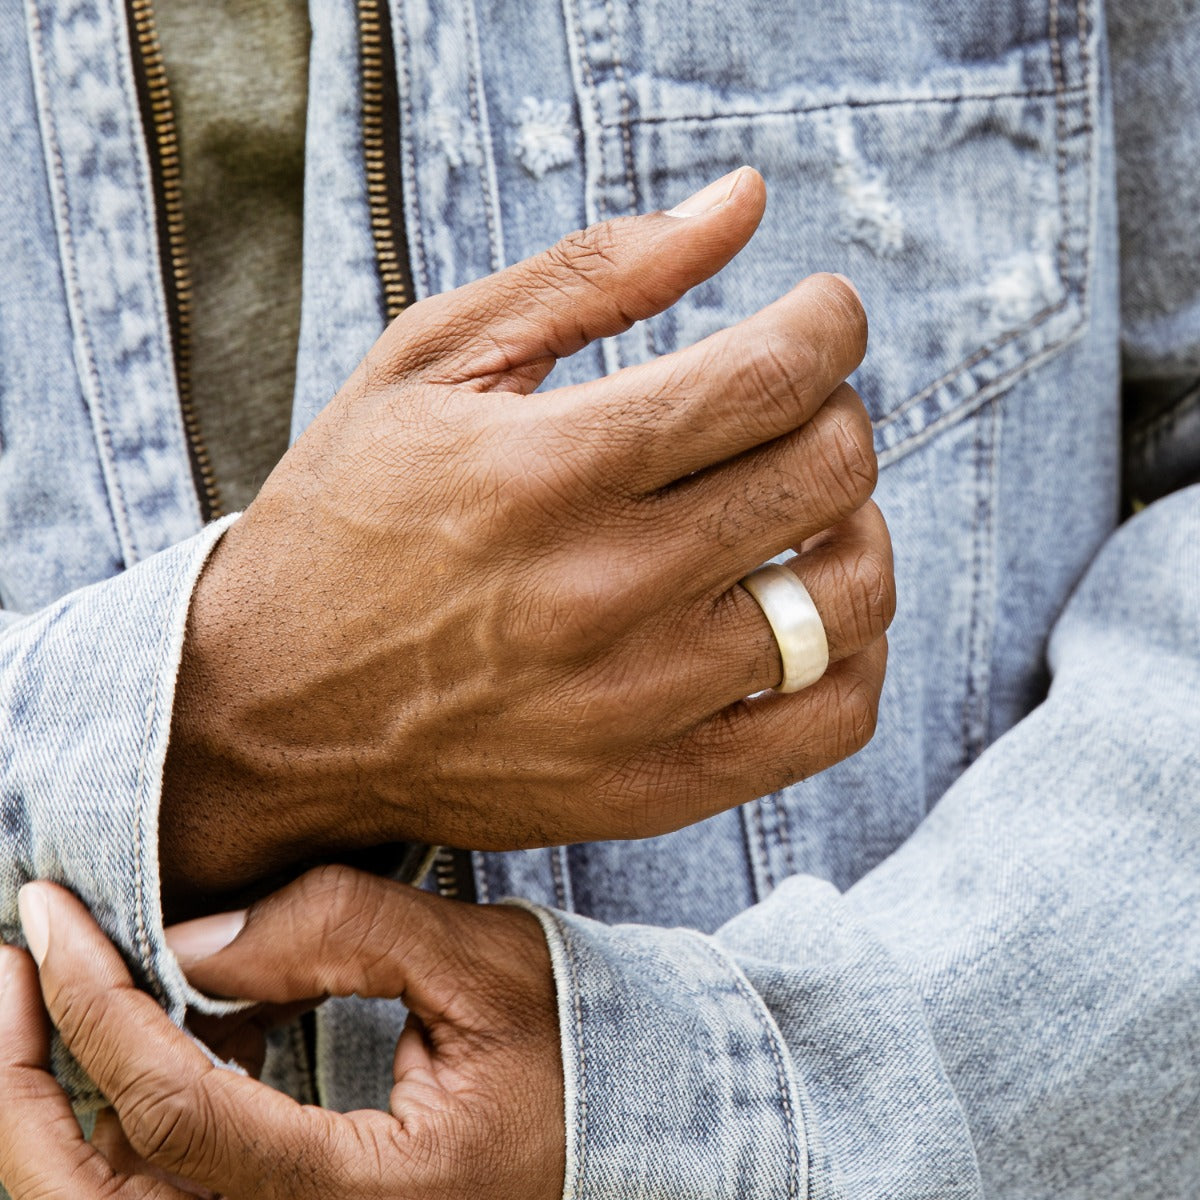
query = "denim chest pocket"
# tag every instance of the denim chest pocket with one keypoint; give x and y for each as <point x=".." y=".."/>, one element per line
<point x="939" y="155"/>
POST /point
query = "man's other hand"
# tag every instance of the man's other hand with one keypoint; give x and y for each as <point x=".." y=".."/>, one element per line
<point x="462" y="611"/>
<point x="477" y="1106"/>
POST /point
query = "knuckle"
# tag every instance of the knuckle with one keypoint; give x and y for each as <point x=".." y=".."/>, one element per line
<point x="339" y="911"/>
<point x="848" y="316"/>
<point x="419" y="332"/>
<point x="779" y="371"/>
<point x="645" y="798"/>
<point x="848" y="452"/>
<point x="785" y="769"/>
<point x="868" y="595"/>
<point x="358" y="931"/>
<point x="767" y="497"/>
<point x="171" y="1129"/>
<point x="585" y="252"/>
<point x="364" y="1157"/>
<point x="80" y="1014"/>
<point x="542" y="477"/>
<point x="857" y="712"/>
<point x="348" y="905"/>
<point x="576" y="610"/>
<point x="324" y="887"/>
<point x="619" y="437"/>
<point x="596" y="699"/>
<point x="725" y="736"/>
<point x="888" y="600"/>
<point x="585" y="275"/>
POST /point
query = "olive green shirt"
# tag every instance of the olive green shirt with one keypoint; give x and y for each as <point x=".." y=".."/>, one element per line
<point x="238" y="73"/>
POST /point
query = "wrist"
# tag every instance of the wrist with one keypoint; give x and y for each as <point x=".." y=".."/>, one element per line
<point x="239" y="804"/>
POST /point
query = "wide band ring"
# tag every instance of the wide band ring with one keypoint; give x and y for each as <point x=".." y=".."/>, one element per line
<point x="795" y="622"/>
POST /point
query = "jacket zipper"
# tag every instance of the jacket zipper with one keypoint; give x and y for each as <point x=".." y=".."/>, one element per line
<point x="163" y="147"/>
<point x="453" y="876"/>
<point x="381" y="153"/>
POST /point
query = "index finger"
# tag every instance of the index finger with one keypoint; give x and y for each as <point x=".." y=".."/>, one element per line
<point x="737" y="389"/>
<point x="180" y="1112"/>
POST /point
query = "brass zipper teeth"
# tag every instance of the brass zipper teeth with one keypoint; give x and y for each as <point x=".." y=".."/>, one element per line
<point x="162" y="116"/>
<point x="371" y="16"/>
<point x="445" y="873"/>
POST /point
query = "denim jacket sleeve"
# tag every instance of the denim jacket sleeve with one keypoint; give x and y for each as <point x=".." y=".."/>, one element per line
<point x="1006" y="1006"/>
<point x="86" y="692"/>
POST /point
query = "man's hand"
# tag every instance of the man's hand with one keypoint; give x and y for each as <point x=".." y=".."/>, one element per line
<point x="477" y="1107"/>
<point x="462" y="611"/>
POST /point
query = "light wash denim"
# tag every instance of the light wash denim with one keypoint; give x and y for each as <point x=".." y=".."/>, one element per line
<point x="964" y="963"/>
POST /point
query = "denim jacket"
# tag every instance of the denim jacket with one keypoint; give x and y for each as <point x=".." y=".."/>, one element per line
<point x="965" y="962"/>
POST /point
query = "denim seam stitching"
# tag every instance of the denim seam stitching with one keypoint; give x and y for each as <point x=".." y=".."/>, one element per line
<point x="143" y="937"/>
<point x="753" y="857"/>
<point x="58" y="178"/>
<point x="803" y="110"/>
<point x="985" y="351"/>
<point x="559" y="868"/>
<point x="1064" y="214"/>
<point x="412" y="193"/>
<point x="782" y="834"/>
<point x="611" y="347"/>
<point x="1062" y="92"/>
<point x="773" y="1037"/>
<point x="483" y="889"/>
<point x="476" y="106"/>
<point x="581" y="1115"/>
<point x="966" y="740"/>
<point x="626" y="107"/>
<point x="149" y="219"/>
<point x="1084" y="33"/>
<point x="763" y="848"/>
<point x="975" y="706"/>
<point x="625" y="125"/>
<point x="589" y="83"/>
<point x="1056" y="66"/>
<point x="988" y="640"/>
<point x="981" y="397"/>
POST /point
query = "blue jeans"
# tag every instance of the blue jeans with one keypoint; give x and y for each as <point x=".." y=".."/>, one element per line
<point x="962" y="963"/>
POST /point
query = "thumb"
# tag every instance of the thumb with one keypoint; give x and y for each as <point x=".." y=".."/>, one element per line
<point x="333" y="932"/>
<point x="592" y="284"/>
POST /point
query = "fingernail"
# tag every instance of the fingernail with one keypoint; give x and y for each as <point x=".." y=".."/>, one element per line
<point x="193" y="941"/>
<point x="35" y="919"/>
<point x="708" y="198"/>
<point x="850" y="284"/>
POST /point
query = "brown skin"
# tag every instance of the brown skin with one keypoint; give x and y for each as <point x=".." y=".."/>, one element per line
<point x="491" y="620"/>
<point x="464" y="612"/>
<point x="477" y="1106"/>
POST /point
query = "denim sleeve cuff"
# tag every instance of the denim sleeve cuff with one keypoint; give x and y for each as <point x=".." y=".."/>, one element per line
<point x="785" y="1056"/>
<point x="677" y="1078"/>
<point x="86" y="691"/>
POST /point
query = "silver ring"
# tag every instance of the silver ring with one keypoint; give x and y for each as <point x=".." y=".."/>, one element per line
<point x="795" y="622"/>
